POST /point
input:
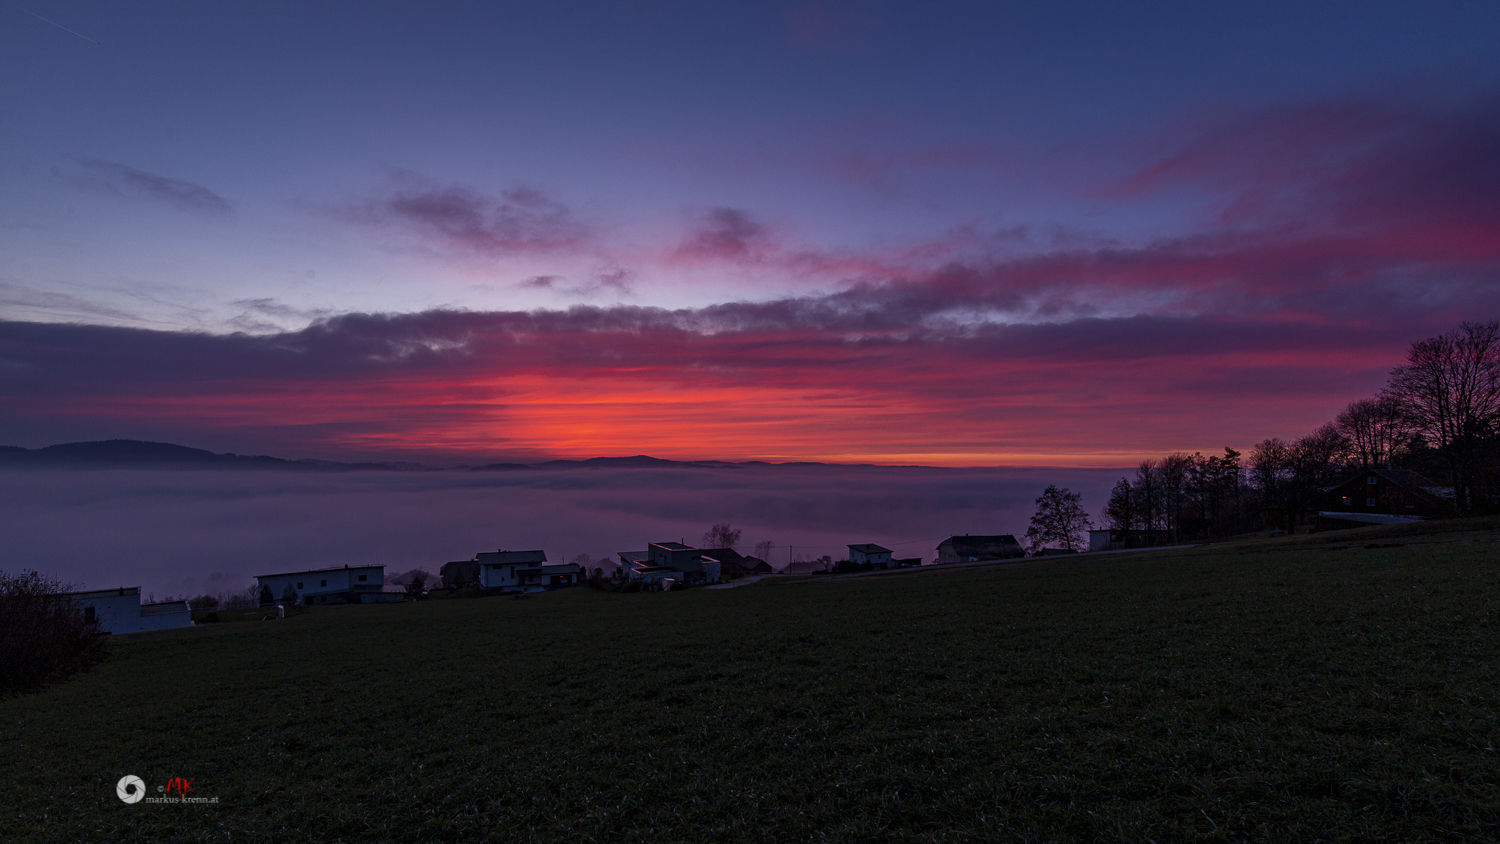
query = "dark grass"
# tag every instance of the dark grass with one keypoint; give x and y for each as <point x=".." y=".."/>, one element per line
<point x="1259" y="691"/>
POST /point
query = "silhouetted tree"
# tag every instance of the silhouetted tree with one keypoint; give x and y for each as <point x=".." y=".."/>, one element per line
<point x="1059" y="518"/>
<point x="722" y="535"/>
<point x="43" y="634"/>
<point x="1147" y="490"/>
<point x="1120" y="513"/>
<point x="266" y="597"/>
<point x="764" y="548"/>
<point x="289" y="595"/>
<point x="1449" y="389"/>
<point x="415" y="582"/>
<point x="1377" y="431"/>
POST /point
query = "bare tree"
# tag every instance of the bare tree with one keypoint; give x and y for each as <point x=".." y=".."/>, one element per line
<point x="1270" y="471"/>
<point x="1450" y="390"/>
<point x="1377" y="430"/>
<point x="1147" y="489"/>
<point x="721" y="535"/>
<point x="1059" y="518"/>
<point x="1174" y="475"/>
<point x="764" y="548"/>
<point x="1120" y="512"/>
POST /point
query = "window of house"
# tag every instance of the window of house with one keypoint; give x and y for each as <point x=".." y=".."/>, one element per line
<point x="1347" y="502"/>
<point x="363" y="578"/>
<point x="1369" y="502"/>
<point x="1370" y="480"/>
<point x="299" y="584"/>
<point x="322" y="583"/>
<point x="89" y="615"/>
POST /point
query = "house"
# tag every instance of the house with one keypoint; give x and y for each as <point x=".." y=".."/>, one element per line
<point x="969" y="549"/>
<point x="525" y="571"/>
<point x="872" y="555"/>
<point x="459" y="573"/>
<point x="1393" y="492"/>
<point x="684" y="563"/>
<point x="756" y="566"/>
<point x="121" y="611"/>
<point x="1110" y="539"/>
<point x="334" y="585"/>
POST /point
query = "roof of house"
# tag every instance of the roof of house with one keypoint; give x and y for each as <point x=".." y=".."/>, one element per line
<point x="977" y="546"/>
<point x="505" y="558"/>
<point x="754" y="563"/>
<point x="103" y="593"/>
<point x="634" y="556"/>
<point x="319" y="571"/>
<point x="724" y="555"/>
<point x="674" y="546"/>
<point x="869" y="548"/>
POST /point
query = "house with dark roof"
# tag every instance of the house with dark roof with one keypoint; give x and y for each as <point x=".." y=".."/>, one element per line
<point x="1383" y="496"/>
<point x="459" y="573"/>
<point x="871" y="555"/>
<point x="973" y="549"/>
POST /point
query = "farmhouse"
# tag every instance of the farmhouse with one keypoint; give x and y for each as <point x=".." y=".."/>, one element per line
<point x="459" y="573"/>
<point x="1391" y="492"/>
<point x="873" y="555"/>
<point x="121" y="611"/>
<point x="334" y="585"/>
<point x="525" y="571"/>
<point x="970" y="549"/>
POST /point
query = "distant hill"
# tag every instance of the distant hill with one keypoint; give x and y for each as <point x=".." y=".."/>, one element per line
<point x="121" y="454"/>
<point x="124" y="454"/>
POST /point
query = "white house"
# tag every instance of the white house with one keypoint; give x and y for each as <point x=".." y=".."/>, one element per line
<point x="872" y="554"/>
<point x="525" y="571"/>
<point x="662" y="560"/>
<point x="121" y="611"/>
<point x="336" y="585"/>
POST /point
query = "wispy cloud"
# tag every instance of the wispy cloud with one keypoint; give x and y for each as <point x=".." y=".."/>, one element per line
<point x="124" y="180"/>
<point x="520" y="220"/>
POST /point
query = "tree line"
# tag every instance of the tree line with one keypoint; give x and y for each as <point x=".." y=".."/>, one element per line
<point x="1438" y="416"/>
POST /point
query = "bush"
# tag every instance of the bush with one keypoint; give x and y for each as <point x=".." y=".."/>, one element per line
<point x="43" y="635"/>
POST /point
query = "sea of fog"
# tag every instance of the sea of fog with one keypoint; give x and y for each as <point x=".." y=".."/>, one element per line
<point x="176" y="532"/>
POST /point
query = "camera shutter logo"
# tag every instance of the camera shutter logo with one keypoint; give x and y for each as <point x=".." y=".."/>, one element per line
<point x="130" y="788"/>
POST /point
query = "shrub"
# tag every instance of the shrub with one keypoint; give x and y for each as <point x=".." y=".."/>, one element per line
<point x="43" y="634"/>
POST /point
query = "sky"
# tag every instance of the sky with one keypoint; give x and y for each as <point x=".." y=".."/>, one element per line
<point x="964" y="234"/>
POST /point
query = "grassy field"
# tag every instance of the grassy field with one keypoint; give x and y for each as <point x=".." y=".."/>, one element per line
<point x="1300" y="689"/>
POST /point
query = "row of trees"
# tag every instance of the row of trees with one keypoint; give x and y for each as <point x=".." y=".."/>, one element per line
<point x="1439" y="416"/>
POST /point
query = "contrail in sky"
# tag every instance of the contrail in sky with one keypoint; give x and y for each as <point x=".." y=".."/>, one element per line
<point x="58" y="25"/>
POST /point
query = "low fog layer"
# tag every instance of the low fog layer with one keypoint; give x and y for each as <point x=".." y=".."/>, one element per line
<point x="186" y="532"/>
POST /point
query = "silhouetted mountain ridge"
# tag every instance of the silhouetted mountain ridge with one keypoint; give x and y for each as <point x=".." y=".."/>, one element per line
<point x="125" y="454"/>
